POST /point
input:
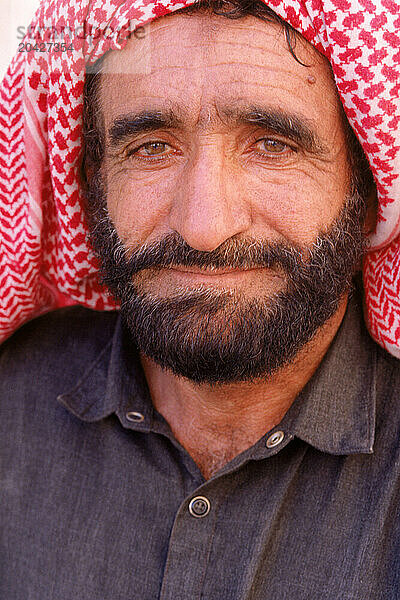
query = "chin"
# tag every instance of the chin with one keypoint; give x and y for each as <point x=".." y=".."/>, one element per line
<point x="222" y="338"/>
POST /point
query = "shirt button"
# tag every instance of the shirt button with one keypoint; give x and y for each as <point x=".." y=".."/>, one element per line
<point x="135" y="417"/>
<point x="199" y="506"/>
<point x="275" y="439"/>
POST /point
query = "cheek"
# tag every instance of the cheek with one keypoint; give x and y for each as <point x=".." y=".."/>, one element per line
<point x="297" y="205"/>
<point x="138" y="204"/>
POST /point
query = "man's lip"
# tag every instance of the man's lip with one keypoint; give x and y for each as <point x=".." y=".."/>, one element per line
<point x="213" y="272"/>
<point x="224" y="275"/>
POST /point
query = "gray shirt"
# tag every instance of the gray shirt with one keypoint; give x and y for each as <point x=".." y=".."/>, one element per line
<point x="100" y="501"/>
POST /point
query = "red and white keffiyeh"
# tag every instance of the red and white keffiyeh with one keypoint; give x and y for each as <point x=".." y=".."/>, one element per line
<point x="45" y="261"/>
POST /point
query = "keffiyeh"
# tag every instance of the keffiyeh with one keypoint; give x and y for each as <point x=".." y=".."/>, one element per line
<point x="45" y="258"/>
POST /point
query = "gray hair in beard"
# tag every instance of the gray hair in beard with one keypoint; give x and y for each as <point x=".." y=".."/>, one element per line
<point x="218" y="336"/>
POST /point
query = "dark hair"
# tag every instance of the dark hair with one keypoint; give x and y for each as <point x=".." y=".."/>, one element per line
<point x="93" y="129"/>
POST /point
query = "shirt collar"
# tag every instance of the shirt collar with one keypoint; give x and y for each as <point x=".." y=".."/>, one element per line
<point x="113" y="383"/>
<point x="335" y="411"/>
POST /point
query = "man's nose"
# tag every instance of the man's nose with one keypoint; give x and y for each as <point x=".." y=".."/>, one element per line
<point x="209" y="206"/>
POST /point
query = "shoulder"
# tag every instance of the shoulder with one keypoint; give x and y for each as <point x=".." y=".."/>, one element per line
<point x="63" y="327"/>
<point x="382" y="366"/>
<point x="387" y="382"/>
<point x="387" y="371"/>
<point x="57" y="346"/>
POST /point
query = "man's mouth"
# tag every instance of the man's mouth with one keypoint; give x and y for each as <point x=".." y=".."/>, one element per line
<point x="223" y="275"/>
<point x="212" y="270"/>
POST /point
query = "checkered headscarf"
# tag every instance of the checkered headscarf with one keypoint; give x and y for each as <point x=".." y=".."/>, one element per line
<point x="45" y="260"/>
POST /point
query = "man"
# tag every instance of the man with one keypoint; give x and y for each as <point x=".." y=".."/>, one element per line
<point x="233" y="431"/>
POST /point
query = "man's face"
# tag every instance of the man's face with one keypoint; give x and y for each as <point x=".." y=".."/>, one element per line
<point x="224" y="163"/>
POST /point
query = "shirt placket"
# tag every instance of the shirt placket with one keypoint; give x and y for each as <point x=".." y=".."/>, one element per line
<point x="196" y="523"/>
<point x="190" y="543"/>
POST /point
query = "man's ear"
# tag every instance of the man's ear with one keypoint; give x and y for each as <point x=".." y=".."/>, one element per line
<point x="372" y="212"/>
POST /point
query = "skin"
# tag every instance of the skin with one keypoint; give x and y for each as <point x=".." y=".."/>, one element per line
<point x="210" y="179"/>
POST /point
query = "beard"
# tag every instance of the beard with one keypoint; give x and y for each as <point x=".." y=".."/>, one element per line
<point x="221" y="336"/>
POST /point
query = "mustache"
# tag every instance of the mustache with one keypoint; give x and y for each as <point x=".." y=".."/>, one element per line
<point x="173" y="250"/>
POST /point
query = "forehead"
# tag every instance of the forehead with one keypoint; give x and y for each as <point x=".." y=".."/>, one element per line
<point x="204" y="62"/>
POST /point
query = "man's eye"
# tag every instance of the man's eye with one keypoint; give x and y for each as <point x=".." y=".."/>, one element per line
<point x="151" y="149"/>
<point x="271" y="146"/>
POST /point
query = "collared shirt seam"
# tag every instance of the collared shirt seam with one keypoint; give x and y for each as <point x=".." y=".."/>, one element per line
<point x="76" y="391"/>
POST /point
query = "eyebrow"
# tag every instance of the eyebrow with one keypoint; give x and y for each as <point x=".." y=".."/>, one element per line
<point x="126" y="126"/>
<point x="296" y="128"/>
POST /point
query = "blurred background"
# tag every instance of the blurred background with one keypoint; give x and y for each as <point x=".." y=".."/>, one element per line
<point x="14" y="14"/>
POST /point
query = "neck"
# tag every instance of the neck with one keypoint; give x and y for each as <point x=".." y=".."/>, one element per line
<point x="214" y="423"/>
